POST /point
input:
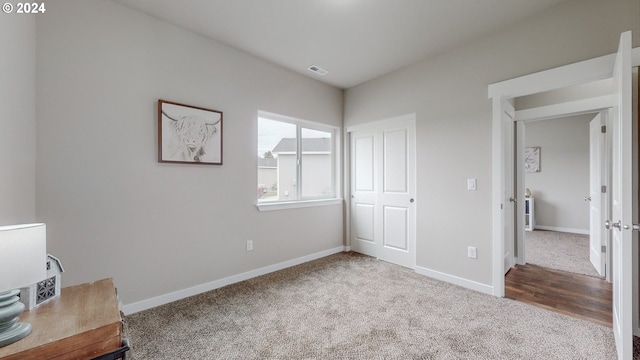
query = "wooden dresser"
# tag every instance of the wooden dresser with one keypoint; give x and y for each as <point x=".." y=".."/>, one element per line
<point x="82" y="323"/>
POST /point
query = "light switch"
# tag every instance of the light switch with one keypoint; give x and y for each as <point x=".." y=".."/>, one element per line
<point x="471" y="184"/>
<point x="472" y="252"/>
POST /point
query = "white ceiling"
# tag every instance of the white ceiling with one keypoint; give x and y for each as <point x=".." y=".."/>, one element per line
<point x="355" y="40"/>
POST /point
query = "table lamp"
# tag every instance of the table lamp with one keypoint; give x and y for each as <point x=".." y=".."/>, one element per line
<point x="23" y="256"/>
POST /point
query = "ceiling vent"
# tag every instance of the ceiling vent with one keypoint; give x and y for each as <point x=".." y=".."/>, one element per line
<point x="318" y="70"/>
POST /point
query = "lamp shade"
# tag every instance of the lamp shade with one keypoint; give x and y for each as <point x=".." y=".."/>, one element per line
<point x="23" y="255"/>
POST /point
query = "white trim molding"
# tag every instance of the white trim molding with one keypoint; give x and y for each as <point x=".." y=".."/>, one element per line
<point x="562" y="229"/>
<point x="572" y="74"/>
<point x="578" y="107"/>
<point x="469" y="284"/>
<point x="216" y="284"/>
<point x="283" y="205"/>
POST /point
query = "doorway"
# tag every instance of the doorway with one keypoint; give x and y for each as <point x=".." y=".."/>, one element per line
<point x="624" y="251"/>
<point x="559" y="173"/>
<point x="554" y="164"/>
<point x="565" y="191"/>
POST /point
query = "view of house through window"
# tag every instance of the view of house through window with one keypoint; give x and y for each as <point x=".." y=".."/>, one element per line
<point x="296" y="159"/>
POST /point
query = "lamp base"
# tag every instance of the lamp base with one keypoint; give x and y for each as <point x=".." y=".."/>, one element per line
<point x="10" y="308"/>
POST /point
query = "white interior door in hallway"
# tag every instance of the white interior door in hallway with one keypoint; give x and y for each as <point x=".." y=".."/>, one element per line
<point x="597" y="179"/>
<point x="383" y="190"/>
<point x="623" y="199"/>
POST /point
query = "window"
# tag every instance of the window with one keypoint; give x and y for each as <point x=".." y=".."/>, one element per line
<point x="297" y="160"/>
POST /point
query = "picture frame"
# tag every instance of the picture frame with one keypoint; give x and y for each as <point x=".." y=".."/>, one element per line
<point x="532" y="159"/>
<point x="189" y="134"/>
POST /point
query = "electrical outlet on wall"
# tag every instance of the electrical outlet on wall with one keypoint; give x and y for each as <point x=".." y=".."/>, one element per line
<point x="472" y="252"/>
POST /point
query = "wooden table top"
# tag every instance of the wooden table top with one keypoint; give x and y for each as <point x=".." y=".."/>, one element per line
<point x="85" y="308"/>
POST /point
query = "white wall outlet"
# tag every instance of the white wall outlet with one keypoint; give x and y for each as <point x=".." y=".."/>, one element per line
<point x="471" y="184"/>
<point x="249" y="245"/>
<point x="472" y="252"/>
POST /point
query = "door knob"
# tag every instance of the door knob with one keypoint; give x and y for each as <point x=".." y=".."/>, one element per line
<point x="411" y="200"/>
<point x="608" y="225"/>
<point x="587" y="198"/>
<point x="632" y="227"/>
<point x="513" y="200"/>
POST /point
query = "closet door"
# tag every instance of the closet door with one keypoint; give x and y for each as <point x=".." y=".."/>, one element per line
<point x="383" y="204"/>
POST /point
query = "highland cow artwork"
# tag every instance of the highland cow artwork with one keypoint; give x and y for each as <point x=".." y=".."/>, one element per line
<point x="189" y="134"/>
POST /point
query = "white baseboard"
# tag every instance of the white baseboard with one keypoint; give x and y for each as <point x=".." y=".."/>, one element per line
<point x="198" y="289"/>
<point x="561" y="229"/>
<point x="469" y="284"/>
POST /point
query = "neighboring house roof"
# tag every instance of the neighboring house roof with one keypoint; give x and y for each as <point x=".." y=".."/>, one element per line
<point x="288" y="145"/>
<point x="262" y="162"/>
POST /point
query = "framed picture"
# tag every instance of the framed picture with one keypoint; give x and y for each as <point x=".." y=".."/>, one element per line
<point x="532" y="159"/>
<point x="189" y="134"/>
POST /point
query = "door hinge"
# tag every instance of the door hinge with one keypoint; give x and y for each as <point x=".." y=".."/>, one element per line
<point x="603" y="189"/>
<point x="603" y="129"/>
<point x="603" y="248"/>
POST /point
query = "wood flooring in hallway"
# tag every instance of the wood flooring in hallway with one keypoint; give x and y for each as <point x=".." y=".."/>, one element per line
<point x="580" y="296"/>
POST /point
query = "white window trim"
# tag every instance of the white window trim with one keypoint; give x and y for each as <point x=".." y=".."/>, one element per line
<point x="284" y="205"/>
<point x="337" y="158"/>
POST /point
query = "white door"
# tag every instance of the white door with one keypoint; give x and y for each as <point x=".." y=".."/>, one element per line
<point x="597" y="255"/>
<point x="521" y="218"/>
<point x="623" y="200"/>
<point x="364" y="195"/>
<point x="508" y="197"/>
<point x="383" y="207"/>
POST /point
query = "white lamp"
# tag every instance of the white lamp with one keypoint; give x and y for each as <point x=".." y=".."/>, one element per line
<point x="23" y="256"/>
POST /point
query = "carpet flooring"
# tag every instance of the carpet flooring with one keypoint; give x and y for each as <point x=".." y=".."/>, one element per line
<point x="560" y="251"/>
<point x="351" y="306"/>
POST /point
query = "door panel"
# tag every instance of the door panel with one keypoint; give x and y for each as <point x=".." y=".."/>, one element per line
<point x="623" y="200"/>
<point x="397" y="196"/>
<point x="395" y="227"/>
<point x="363" y="193"/>
<point x="363" y="164"/>
<point x="521" y="220"/>
<point x="395" y="161"/>
<point x="596" y="181"/>
<point x="364" y="222"/>
<point x="508" y="205"/>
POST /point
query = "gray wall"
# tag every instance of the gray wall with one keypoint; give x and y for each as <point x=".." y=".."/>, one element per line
<point x="448" y="93"/>
<point x="18" y="120"/>
<point x="111" y="209"/>
<point x="562" y="184"/>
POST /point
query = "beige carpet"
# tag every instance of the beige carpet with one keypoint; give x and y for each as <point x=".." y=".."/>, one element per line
<point x="560" y="251"/>
<point x="350" y="306"/>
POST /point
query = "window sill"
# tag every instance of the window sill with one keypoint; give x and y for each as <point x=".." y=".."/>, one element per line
<point x="284" y="205"/>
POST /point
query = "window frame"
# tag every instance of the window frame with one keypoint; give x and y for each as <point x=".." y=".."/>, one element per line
<point x="300" y="202"/>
